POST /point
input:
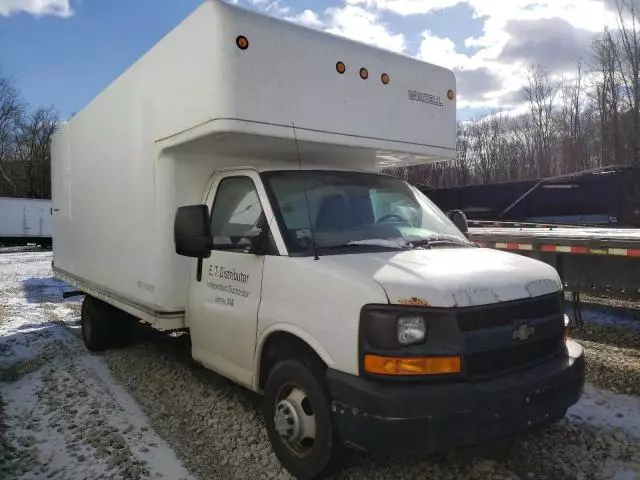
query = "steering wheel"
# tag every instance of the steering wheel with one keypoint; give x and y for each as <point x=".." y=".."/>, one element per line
<point x="392" y="215"/>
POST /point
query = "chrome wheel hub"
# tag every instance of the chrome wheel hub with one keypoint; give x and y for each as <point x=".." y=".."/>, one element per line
<point x="287" y="421"/>
<point x="295" y="421"/>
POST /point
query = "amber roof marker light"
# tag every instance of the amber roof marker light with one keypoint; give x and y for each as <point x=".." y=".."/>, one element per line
<point x="364" y="73"/>
<point x="385" y="78"/>
<point x="451" y="95"/>
<point x="341" y="67"/>
<point x="242" y="42"/>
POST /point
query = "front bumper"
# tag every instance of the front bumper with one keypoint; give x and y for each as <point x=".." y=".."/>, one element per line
<point x="419" y="418"/>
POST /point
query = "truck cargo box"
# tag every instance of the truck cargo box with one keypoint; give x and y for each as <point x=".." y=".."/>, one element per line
<point x="225" y="88"/>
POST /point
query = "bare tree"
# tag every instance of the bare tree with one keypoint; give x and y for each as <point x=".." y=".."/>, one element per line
<point x="541" y="93"/>
<point x="461" y="164"/>
<point x="33" y="137"/>
<point x="25" y="163"/>
<point x="570" y="126"/>
<point x="606" y="92"/>
<point x="10" y="113"/>
<point x="628" y="63"/>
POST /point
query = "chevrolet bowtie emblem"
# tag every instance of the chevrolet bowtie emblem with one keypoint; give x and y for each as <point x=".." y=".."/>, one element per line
<point x="523" y="332"/>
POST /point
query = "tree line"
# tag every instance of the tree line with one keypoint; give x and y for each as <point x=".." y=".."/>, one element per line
<point x="25" y="134"/>
<point x="589" y="121"/>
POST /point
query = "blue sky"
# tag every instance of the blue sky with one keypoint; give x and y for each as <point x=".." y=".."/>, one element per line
<point x="63" y="52"/>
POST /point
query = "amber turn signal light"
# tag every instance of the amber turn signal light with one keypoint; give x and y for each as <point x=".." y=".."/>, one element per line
<point x="242" y="42"/>
<point x="412" y="365"/>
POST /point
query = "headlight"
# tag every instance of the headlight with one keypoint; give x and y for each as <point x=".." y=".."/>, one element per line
<point x="411" y="330"/>
<point x="566" y="328"/>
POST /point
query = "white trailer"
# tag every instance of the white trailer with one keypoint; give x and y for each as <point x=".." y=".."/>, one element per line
<point x="25" y="220"/>
<point x="227" y="183"/>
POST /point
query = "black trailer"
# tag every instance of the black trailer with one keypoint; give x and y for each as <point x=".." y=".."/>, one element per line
<point x="602" y="197"/>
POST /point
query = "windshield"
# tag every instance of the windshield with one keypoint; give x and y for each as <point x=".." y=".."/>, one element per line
<point x="355" y="211"/>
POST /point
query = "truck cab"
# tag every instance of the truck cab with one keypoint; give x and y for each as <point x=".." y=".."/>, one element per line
<point x="366" y="317"/>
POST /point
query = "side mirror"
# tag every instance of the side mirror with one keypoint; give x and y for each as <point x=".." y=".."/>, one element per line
<point x="192" y="232"/>
<point x="459" y="219"/>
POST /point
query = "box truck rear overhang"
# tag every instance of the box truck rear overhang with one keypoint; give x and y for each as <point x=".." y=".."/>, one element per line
<point x="315" y="280"/>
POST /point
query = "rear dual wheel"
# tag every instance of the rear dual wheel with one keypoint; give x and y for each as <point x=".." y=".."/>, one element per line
<point x="104" y="326"/>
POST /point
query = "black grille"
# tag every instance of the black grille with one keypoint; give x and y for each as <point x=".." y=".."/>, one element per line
<point x="495" y="361"/>
<point x="501" y="315"/>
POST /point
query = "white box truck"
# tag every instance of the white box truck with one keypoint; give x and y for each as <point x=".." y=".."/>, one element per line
<point x="24" y="221"/>
<point x="227" y="184"/>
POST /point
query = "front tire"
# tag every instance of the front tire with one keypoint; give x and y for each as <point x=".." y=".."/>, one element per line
<point x="298" y="419"/>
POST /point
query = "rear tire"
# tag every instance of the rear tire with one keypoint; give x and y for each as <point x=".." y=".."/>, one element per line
<point x="296" y="396"/>
<point x="94" y="321"/>
<point x="104" y="326"/>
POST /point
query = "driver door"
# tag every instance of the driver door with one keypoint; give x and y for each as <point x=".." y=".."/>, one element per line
<point x="224" y="302"/>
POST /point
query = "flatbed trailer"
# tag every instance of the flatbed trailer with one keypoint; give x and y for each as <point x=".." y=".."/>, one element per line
<point x="589" y="260"/>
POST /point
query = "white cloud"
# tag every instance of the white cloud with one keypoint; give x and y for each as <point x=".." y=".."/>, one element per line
<point x="407" y="7"/>
<point x="308" y="18"/>
<point x="441" y="51"/>
<point x="359" y="24"/>
<point x="497" y="17"/>
<point x="60" y="8"/>
<point x="272" y="7"/>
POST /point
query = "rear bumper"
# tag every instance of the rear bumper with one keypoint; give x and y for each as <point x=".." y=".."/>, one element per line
<point x="412" y="418"/>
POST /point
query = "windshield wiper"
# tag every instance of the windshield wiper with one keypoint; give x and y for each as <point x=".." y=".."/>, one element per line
<point x="406" y="243"/>
<point x="430" y="243"/>
<point x="395" y="243"/>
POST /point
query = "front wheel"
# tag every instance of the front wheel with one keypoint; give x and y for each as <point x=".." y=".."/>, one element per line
<point x="299" y="424"/>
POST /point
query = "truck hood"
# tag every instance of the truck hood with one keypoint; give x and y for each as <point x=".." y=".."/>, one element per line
<point x="453" y="277"/>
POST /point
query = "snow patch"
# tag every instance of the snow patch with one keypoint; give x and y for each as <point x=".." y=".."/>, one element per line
<point x="605" y="409"/>
<point x="63" y="408"/>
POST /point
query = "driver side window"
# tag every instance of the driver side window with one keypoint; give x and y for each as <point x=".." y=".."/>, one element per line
<point x="237" y="211"/>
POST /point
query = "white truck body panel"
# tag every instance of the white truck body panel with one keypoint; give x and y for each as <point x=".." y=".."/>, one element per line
<point x="25" y="218"/>
<point x="196" y="103"/>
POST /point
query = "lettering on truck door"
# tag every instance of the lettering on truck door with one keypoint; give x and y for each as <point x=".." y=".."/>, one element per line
<point x="223" y="306"/>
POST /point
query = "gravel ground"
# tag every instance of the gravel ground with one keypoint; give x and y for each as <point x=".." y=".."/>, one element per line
<point x="62" y="405"/>
<point x="613" y="360"/>
<point x="622" y="306"/>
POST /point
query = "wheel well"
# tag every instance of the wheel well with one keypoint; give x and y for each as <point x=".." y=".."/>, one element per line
<point x="283" y="345"/>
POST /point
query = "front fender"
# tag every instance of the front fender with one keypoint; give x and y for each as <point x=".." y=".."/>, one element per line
<point x="295" y="330"/>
